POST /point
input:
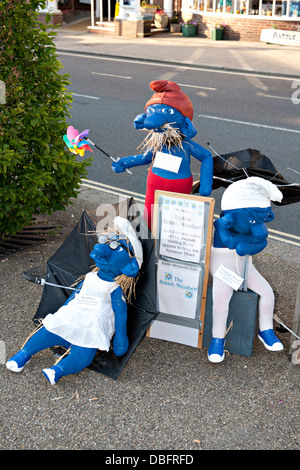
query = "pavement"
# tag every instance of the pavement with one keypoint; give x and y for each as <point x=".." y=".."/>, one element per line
<point x="169" y="397"/>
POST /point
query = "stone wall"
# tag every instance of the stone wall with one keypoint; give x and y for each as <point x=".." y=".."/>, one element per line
<point x="126" y="28"/>
<point x="56" y="18"/>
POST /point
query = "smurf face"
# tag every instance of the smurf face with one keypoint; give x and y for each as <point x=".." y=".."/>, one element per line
<point x="247" y="217"/>
<point x="112" y="254"/>
<point x="115" y="242"/>
<point x="259" y="215"/>
<point x="157" y="115"/>
<point x="161" y="118"/>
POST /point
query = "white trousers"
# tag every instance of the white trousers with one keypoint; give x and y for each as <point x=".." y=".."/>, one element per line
<point x="222" y="293"/>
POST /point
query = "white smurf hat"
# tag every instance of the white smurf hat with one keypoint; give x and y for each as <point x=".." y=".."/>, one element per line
<point x="250" y="192"/>
<point x="124" y="226"/>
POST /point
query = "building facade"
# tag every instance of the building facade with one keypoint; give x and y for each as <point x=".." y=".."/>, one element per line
<point x="243" y="19"/>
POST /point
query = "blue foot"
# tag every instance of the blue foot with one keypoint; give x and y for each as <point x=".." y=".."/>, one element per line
<point x="270" y="340"/>
<point x="215" y="351"/>
<point x="53" y="374"/>
<point x="17" y="362"/>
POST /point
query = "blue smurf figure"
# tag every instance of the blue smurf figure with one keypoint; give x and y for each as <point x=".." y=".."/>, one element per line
<point x="168" y="146"/>
<point x="241" y="232"/>
<point x="96" y="313"/>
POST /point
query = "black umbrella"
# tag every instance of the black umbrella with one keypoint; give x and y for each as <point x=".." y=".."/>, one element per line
<point x="72" y="260"/>
<point x="235" y="166"/>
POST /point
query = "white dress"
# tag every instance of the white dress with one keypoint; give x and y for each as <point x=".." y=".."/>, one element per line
<point x="88" y="320"/>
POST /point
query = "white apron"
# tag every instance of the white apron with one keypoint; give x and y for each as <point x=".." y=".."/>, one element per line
<point x="88" y="320"/>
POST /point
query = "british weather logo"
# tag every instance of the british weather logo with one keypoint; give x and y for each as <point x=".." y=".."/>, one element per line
<point x="188" y="294"/>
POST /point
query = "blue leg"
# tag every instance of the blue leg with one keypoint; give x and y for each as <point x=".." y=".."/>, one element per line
<point x="42" y="339"/>
<point x="78" y="359"/>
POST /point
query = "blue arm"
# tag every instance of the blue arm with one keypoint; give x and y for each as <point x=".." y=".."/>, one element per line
<point x="244" y="244"/>
<point x="257" y="241"/>
<point x="207" y="167"/>
<point x="74" y="293"/>
<point x="131" y="161"/>
<point x="223" y="232"/>
<point x="120" y="341"/>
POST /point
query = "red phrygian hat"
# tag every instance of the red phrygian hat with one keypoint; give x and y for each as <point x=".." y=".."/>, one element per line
<point x="169" y="93"/>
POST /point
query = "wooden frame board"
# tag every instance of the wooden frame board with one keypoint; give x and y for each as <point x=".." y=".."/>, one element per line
<point x="185" y="327"/>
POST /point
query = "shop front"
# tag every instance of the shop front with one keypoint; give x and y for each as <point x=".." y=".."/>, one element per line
<point x="242" y="19"/>
<point x="67" y="6"/>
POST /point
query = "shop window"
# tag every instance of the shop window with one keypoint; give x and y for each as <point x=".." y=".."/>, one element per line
<point x="253" y="7"/>
<point x="209" y="5"/>
<point x="240" y="7"/>
<point x="199" y="5"/>
<point x="294" y="9"/>
<point x="266" y="7"/>
<point x="219" y="6"/>
<point x="187" y="5"/>
<point x="277" y="8"/>
<point x="229" y="6"/>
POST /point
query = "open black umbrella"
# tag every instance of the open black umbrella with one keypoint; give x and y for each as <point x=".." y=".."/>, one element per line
<point x="72" y="260"/>
<point x="234" y="166"/>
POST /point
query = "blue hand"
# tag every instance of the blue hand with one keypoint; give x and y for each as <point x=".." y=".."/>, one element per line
<point x="118" y="167"/>
<point x="120" y="345"/>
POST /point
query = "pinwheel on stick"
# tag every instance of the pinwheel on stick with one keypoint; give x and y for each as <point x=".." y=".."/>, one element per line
<point x="77" y="142"/>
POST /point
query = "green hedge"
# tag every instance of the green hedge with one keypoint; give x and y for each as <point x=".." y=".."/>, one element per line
<point x="37" y="173"/>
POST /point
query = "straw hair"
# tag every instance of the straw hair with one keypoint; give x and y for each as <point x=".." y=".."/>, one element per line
<point x="155" y="141"/>
<point x="127" y="285"/>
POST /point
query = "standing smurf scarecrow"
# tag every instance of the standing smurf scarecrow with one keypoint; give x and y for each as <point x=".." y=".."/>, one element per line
<point x="168" y="145"/>
<point x="241" y="232"/>
<point x="96" y="313"/>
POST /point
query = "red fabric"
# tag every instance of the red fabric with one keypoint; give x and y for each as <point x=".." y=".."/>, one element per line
<point x="169" y="93"/>
<point x="154" y="182"/>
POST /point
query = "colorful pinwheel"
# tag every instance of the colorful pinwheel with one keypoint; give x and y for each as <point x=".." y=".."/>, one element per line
<point x="76" y="141"/>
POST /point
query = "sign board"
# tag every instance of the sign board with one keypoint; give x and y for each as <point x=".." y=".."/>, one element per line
<point x="280" y="36"/>
<point x="129" y="10"/>
<point x="182" y="227"/>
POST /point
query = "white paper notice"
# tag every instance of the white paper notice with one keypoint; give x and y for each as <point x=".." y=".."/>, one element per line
<point x="168" y="162"/>
<point x="87" y="301"/>
<point x="177" y="289"/>
<point x="182" y="229"/>
<point x="229" y="277"/>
